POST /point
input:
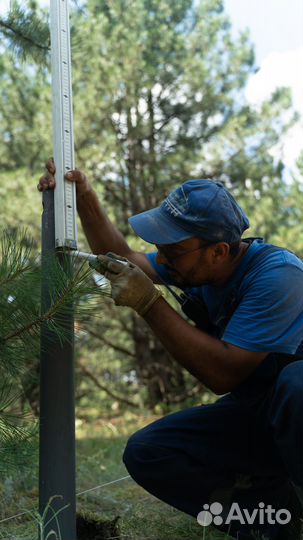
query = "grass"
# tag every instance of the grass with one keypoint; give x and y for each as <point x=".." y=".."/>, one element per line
<point x="100" y="446"/>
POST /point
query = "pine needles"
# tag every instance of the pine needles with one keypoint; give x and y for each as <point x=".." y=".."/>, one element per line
<point x="27" y="33"/>
<point x="71" y="288"/>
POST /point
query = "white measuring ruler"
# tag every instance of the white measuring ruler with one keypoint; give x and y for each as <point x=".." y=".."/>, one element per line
<point x="63" y="135"/>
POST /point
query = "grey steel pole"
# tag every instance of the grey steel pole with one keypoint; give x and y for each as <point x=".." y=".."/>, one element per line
<point x="57" y="407"/>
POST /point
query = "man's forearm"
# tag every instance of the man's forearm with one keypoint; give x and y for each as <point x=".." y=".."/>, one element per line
<point x="101" y="234"/>
<point x="213" y="362"/>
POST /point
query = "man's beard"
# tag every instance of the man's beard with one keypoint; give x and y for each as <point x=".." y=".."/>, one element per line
<point x="184" y="281"/>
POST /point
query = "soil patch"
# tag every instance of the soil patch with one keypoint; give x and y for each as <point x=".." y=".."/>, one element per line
<point x="89" y="527"/>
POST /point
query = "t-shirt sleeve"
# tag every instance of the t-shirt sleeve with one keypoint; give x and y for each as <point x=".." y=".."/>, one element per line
<point x="269" y="318"/>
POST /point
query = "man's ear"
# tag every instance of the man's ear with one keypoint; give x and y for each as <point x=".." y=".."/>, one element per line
<point x="221" y="251"/>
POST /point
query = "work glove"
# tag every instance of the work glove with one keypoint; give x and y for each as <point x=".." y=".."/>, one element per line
<point x="130" y="285"/>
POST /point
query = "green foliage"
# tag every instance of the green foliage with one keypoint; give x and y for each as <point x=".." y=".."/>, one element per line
<point x="158" y="97"/>
<point x="19" y="302"/>
<point x="20" y="206"/>
<point x="172" y="106"/>
<point x="21" y="316"/>
<point x="26" y="32"/>
<point x="276" y="214"/>
<point x="25" y="115"/>
<point x="243" y="148"/>
<point x="18" y="279"/>
<point x="170" y="94"/>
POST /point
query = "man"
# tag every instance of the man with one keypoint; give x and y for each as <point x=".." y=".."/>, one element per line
<point x="245" y="449"/>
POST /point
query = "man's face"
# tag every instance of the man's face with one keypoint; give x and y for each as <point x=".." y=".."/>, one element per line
<point x="189" y="262"/>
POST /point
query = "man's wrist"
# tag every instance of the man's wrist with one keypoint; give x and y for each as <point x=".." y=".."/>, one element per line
<point x="146" y="308"/>
<point x="83" y="192"/>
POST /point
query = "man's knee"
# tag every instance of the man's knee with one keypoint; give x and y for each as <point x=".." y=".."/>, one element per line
<point x="148" y="460"/>
<point x="290" y="383"/>
<point x="140" y="455"/>
<point x="286" y="415"/>
<point x="134" y="453"/>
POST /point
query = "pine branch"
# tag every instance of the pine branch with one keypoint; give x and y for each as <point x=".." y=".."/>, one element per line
<point x="18" y="431"/>
<point x="71" y="287"/>
<point x="21" y="36"/>
<point x="109" y="343"/>
<point x="105" y="389"/>
<point x="15" y="254"/>
<point x="18" y="451"/>
<point x="65" y="292"/>
<point x="27" y="34"/>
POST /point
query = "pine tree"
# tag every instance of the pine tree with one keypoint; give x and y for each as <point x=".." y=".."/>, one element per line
<point x="21" y="318"/>
<point x="26" y="32"/>
<point x="159" y="98"/>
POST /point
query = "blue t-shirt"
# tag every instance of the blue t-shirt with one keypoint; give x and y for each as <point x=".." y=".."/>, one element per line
<point x="269" y="315"/>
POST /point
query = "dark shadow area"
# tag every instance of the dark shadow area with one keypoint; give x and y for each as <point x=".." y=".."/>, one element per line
<point x="90" y="528"/>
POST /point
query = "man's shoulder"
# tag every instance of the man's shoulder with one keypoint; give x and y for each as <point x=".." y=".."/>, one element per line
<point x="259" y="246"/>
<point x="269" y="302"/>
<point x="263" y="258"/>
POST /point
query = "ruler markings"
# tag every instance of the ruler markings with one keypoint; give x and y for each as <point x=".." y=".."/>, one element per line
<point x="65" y="195"/>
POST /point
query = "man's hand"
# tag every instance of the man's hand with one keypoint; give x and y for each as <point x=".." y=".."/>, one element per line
<point x="47" y="181"/>
<point x="130" y="285"/>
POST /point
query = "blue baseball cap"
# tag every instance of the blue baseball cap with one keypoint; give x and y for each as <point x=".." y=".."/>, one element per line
<point x="198" y="208"/>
